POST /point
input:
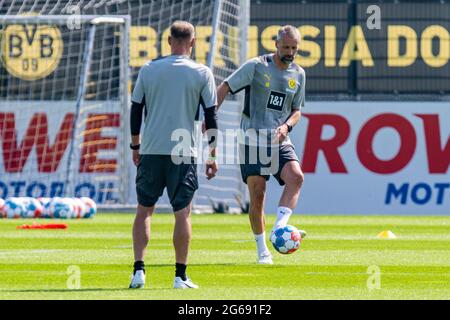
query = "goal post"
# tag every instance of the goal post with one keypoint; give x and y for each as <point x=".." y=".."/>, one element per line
<point x="67" y="69"/>
<point x="231" y="19"/>
<point x="63" y="92"/>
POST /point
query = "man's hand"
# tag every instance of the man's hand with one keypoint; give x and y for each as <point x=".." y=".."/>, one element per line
<point x="203" y="127"/>
<point x="211" y="169"/>
<point x="136" y="157"/>
<point x="282" y="132"/>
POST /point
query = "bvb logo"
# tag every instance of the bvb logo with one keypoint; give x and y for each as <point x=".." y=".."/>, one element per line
<point x="31" y="52"/>
<point x="291" y="83"/>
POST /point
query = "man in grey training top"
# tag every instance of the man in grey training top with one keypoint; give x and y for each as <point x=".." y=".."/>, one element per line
<point x="170" y="90"/>
<point x="275" y="91"/>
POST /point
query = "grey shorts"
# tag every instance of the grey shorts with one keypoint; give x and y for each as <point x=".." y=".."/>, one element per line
<point x="265" y="161"/>
<point x="156" y="172"/>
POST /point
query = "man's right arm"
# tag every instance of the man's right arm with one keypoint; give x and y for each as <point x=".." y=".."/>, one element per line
<point x="136" y="121"/>
<point x="237" y="81"/>
<point x="137" y="106"/>
<point x="222" y="92"/>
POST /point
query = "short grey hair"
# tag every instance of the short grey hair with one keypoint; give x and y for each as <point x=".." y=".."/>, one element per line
<point x="289" y="31"/>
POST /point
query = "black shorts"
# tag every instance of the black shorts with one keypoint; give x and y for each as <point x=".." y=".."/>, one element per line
<point x="265" y="161"/>
<point x="155" y="172"/>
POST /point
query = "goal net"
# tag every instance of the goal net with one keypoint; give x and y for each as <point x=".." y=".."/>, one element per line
<point x="63" y="101"/>
<point x="67" y="69"/>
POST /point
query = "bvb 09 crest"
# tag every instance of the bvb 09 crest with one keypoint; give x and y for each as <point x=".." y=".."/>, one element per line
<point x="31" y="52"/>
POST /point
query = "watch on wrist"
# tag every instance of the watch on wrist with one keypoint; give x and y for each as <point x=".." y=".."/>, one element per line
<point x="135" y="147"/>
<point x="289" y="126"/>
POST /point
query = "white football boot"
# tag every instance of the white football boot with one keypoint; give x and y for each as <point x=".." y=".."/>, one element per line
<point x="302" y="232"/>
<point x="179" y="283"/>
<point x="265" y="258"/>
<point x="138" y="280"/>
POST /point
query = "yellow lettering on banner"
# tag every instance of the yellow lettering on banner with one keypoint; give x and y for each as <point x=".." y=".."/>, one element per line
<point x="330" y="46"/>
<point x="165" y="47"/>
<point x="218" y="58"/>
<point x="268" y="37"/>
<point x="142" y="45"/>
<point x="395" y="59"/>
<point x="356" y="48"/>
<point x="252" y="42"/>
<point x="426" y="46"/>
<point x="233" y="45"/>
<point x="308" y="46"/>
<point x="202" y="44"/>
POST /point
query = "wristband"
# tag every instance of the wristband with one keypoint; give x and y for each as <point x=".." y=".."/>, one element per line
<point x="289" y="126"/>
<point x="135" y="147"/>
<point x="211" y="159"/>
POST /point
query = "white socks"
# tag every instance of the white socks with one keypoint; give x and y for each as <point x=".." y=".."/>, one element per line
<point x="283" y="215"/>
<point x="261" y="243"/>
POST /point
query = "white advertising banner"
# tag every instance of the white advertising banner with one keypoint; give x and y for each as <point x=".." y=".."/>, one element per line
<point x="36" y="143"/>
<point x="358" y="157"/>
<point x="372" y="158"/>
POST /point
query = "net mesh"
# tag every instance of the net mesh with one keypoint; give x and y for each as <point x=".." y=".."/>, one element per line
<point x="41" y="75"/>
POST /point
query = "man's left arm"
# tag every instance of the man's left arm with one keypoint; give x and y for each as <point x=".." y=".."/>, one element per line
<point x="209" y="104"/>
<point x="297" y="103"/>
<point x="294" y="118"/>
<point x="288" y="125"/>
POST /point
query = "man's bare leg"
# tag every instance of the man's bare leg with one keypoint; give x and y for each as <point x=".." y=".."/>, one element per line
<point x="257" y="189"/>
<point x="182" y="235"/>
<point x="141" y="231"/>
<point x="293" y="177"/>
<point x="141" y="237"/>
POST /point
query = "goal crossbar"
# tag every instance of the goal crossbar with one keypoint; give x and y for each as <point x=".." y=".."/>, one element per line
<point x="62" y="19"/>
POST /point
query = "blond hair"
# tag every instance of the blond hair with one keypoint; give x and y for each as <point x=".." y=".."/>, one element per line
<point x="288" y="31"/>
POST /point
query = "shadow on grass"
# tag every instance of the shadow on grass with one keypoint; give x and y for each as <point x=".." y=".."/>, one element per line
<point x="85" y="290"/>
<point x="192" y="265"/>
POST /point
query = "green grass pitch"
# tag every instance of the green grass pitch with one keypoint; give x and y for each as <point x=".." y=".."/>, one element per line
<point x="332" y="263"/>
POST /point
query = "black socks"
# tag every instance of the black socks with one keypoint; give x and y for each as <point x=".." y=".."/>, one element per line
<point x="180" y="271"/>
<point x="139" y="265"/>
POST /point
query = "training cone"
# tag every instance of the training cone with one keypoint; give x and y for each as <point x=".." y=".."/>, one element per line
<point x="43" y="226"/>
<point x="387" y="234"/>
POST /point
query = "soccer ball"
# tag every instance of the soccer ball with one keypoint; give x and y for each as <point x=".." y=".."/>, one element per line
<point x="79" y="207"/>
<point x="14" y="208"/>
<point x="45" y="202"/>
<point x="33" y="207"/>
<point x="286" y="239"/>
<point x="49" y="207"/>
<point x="61" y="208"/>
<point x="91" y="207"/>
